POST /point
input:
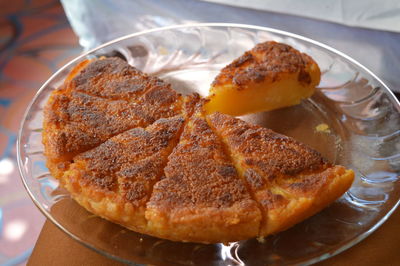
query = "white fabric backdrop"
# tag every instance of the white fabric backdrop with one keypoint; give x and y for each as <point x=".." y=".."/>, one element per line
<point x="98" y="21"/>
<point x="370" y="14"/>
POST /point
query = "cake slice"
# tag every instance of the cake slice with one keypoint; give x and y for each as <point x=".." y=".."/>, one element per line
<point x="201" y="198"/>
<point x="289" y="180"/>
<point x="269" y="76"/>
<point x="100" y="99"/>
<point x="115" y="179"/>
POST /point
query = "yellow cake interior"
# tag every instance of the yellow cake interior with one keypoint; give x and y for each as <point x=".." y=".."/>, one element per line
<point x="268" y="77"/>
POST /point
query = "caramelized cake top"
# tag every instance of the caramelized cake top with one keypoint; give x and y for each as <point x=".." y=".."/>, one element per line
<point x="289" y="180"/>
<point x="104" y="98"/>
<point x="262" y="149"/>
<point x="113" y="78"/>
<point x="201" y="190"/>
<point x="199" y="164"/>
<point x="270" y="76"/>
<point x="266" y="61"/>
<point x="129" y="163"/>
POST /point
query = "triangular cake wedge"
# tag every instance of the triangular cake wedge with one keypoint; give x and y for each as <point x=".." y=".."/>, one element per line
<point x="100" y="99"/>
<point x="289" y="180"/>
<point x="115" y="179"/>
<point x="271" y="75"/>
<point x="201" y="198"/>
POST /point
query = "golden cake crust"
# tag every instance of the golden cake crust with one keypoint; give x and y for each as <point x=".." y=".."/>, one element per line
<point x="289" y="180"/>
<point x="100" y="99"/>
<point x="115" y="179"/>
<point x="129" y="148"/>
<point x="201" y="199"/>
<point x="266" y="150"/>
<point x="267" y="60"/>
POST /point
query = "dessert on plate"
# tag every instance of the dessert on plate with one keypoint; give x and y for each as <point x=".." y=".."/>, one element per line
<point x="269" y="76"/>
<point x="132" y="150"/>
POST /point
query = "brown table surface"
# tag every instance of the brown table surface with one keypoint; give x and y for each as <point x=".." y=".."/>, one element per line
<point x="54" y="247"/>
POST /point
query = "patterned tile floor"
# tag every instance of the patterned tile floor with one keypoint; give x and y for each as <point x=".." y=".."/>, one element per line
<point x="35" y="40"/>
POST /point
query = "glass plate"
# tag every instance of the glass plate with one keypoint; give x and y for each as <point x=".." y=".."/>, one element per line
<point x="363" y="118"/>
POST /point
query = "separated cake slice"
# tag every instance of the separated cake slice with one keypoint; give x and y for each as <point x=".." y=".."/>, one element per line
<point x="289" y="180"/>
<point x="269" y="76"/>
<point x="201" y="198"/>
<point x="115" y="179"/>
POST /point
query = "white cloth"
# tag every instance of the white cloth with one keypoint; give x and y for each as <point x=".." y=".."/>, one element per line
<point x="98" y="21"/>
<point x="370" y="14"/>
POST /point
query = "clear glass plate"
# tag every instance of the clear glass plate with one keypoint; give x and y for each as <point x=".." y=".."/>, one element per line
<point x="364" y="132"/>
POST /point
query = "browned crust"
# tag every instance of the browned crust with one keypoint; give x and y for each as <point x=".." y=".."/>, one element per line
<point x="201" y="198"/>
<point x="198" y="162"/>
<point x="104" y="98"/>
<point x="268" y="60"/>
<point x="135" y="155"/>
<point x="289" y="180"/>
<point x="270" y="153"/>
<point x="113" y="78"/>
<point x="122" y="171"/>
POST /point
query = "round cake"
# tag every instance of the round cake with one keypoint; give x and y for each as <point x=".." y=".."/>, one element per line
<point x="132" y="150"/>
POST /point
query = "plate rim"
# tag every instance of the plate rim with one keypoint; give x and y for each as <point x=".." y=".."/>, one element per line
<point x="322" y="257"/>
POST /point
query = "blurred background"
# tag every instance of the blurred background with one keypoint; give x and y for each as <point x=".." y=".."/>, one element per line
<point x="36" y="39"/>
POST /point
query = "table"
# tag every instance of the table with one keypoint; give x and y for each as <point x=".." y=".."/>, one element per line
<point x="380" y="248"/>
